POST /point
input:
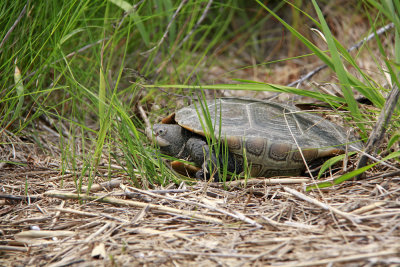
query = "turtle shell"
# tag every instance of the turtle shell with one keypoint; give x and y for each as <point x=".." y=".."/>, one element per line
<point x="269" y="134"/>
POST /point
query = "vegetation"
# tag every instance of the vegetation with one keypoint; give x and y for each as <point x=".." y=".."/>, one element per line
<point x="80" y="65"/>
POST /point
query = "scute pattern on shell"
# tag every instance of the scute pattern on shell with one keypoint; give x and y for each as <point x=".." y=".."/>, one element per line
<point x="266" y="132"/>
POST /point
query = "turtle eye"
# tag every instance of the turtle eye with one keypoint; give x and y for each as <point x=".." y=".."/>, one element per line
<point x="161" y="132"/>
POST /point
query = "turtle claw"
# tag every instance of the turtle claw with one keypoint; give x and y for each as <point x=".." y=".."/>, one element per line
<point x="204" y="175"/>
<point x="200" y="175"/>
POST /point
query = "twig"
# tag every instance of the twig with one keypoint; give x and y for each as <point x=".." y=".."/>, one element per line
<point x="363" y="153"/>
<point x="90" y="214"/>
<point x="27" y="76"/>
<point x="146" y="81"/>
<point x="198" y="254"/>
<point x="67" y="261"/>
<point x="34" y="219"/>
<point x="291" y="224"/>
<point x="350" y="217"/>
<point x="298" y="146"/>
<point x="130" y="203"/>
<point x="356" y="46"/>
<point x="330" y="261"/>
<point x="102" y="229"/>
<point x="263" y="181"/>
<point x="27" y="174"/>
<point x="369" y="207"/>
<point x="21" y="198"/>
<point x="13" y="248"/>
<point x="140" y="215"/>
<point x="380" y="127"/>
<point x="148" y="231"/>
<point x="235" y="215"/>
<point x="167" y="30"/>
<point x="308" y="75"/>
<point x="169" y="191"/>
<point x="385" y="175"/>
<point x="57" y="215"/>
<point x="382" y="215"/>
<point x="44" y="233"/>
<point x="108" y="185"/>
<point x="130" y="11"/>
<point x="144" y="116"/>
<point x="240" y="216"/>
<point x="14" y="25"/>
<point x="164" y="191"/>
<point x="202" y="17"/>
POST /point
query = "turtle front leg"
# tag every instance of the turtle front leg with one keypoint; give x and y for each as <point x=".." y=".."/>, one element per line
<point x="199" y="152"/>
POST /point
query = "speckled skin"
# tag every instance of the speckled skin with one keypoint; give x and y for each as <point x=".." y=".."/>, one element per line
<point x="267" y="133"/>
<point x="181" y="143"/>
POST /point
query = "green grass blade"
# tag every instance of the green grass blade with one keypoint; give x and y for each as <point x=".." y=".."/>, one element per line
<point x="339" y="68"/>
<point x="259" y="87"/>
<point x="124" y="5"/>
<point x="352" y="174"/>
<point x="332" y="161"/>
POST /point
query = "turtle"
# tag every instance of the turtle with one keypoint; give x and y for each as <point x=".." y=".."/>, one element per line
<point x="272" y="138"/>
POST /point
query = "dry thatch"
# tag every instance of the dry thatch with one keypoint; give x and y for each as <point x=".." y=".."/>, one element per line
<point x="265" y="222"/>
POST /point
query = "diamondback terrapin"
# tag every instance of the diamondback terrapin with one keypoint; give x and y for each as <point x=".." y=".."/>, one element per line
<point x="266" y="135"/>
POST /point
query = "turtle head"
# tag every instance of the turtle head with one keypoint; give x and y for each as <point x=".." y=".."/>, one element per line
<point x="169" y="137"/>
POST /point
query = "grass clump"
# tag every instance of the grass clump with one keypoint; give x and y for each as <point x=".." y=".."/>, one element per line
<point x="81" y="65"/>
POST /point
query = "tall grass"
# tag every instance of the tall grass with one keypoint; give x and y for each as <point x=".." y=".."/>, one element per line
<point x="74" y="61"/>
<point x="339" y="60"/>
<point x="75" y="58"/>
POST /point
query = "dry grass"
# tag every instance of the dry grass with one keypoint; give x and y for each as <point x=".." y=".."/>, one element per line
<point x="262" y="223"/>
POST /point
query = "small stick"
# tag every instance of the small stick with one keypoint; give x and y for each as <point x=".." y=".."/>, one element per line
<point x="291" y="224"/>
<point x="147" y="81"/>
<point x="57" y="215"/>
<point x="27" y="76"/>
<point x="99" y="231"/>
<point x="236" y="215"/>
<point x="379" y="130"/>
<point x="13" y="248"/>
<point x="363" y="153"/>
<point x="382" y="215"/>
<point x="21" y="198"/>
<point x="14" y="25"/>
<point x="350" y="217"/>
<point x="25" y="174"/>
<point x="34" y="219"/>
<point x="148" y="231"/>
<point x="108" y="185"/>
<point x="169" y="191"/>
<point x="356" y="46"/>
<point x="264" y="181"/>
<point x="208" y="254"/>
<point x="330" y="261"/>
<point x="297" y="145"/>
<point x="140" y="215"/>
<point x="90" y="214"/>
<point x="130" y="203"/>
<point x="167" y="30"/>
<point x="369" y="207"/>
<point x="127" y="13"/>
<point x="144" y="116"/>
<point x="202" y="17"/>
<point x="43" y="234"/>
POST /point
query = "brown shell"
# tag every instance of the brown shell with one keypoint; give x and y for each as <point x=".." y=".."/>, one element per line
<point x="269" y="134"/>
